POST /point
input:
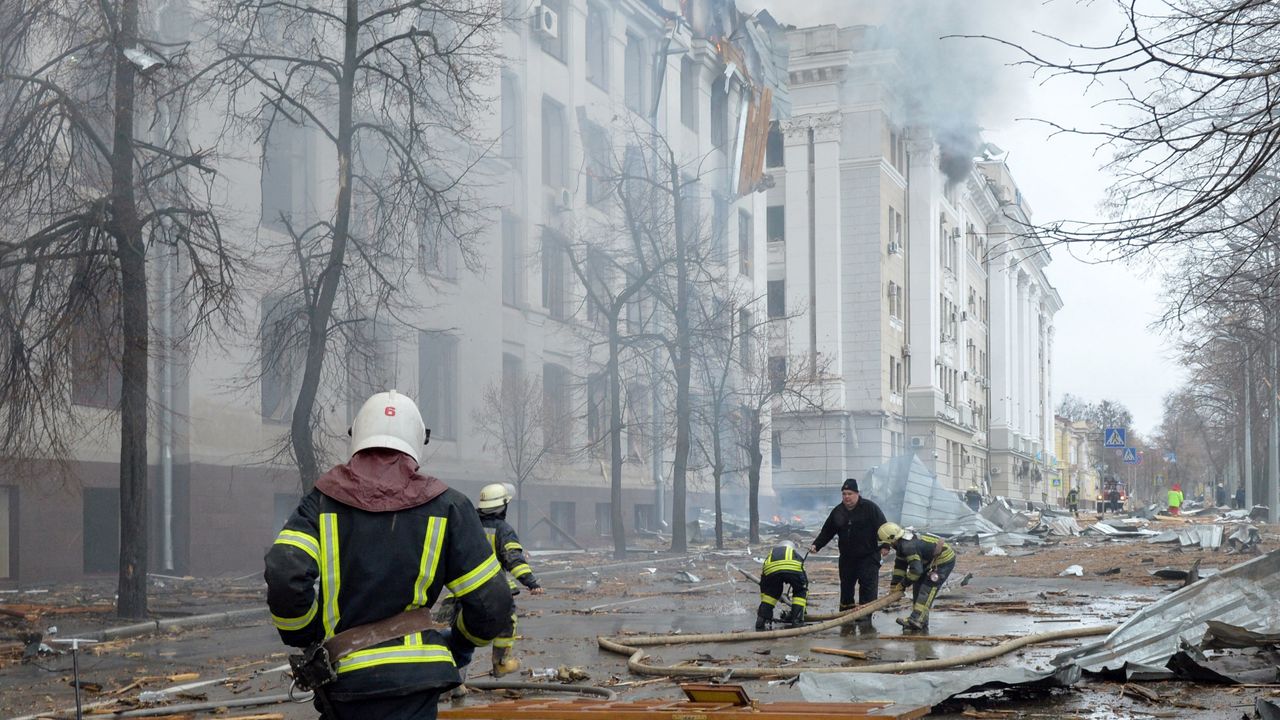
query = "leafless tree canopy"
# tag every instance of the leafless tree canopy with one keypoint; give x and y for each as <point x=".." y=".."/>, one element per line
<point x="1197" y="130"/>
<point x="61" y="228"/>
<point x="386" y="90"/>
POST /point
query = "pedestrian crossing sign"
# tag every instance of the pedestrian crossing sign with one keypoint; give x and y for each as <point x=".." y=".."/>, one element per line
<point x="1131" y="456"/>
<point x="1113" y="437"/>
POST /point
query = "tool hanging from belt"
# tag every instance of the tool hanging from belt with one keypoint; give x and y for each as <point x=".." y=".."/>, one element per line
<point x="317" y="666"/>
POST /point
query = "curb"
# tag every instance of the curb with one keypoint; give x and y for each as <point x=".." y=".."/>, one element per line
<point x="155" y="627"/>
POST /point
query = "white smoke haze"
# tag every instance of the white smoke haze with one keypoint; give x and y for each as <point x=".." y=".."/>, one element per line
<point x="957" y="86"/>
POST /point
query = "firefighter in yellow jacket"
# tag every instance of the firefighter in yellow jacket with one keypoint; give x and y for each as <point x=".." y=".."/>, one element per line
<point x="922" y="561"/>
<point x="782" y="567"/>
<point x="506" y="546"/>
<point x="374" y="539"/>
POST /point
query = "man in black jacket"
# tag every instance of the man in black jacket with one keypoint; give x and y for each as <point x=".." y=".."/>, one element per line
<point x="855" y="522"/>
<point x="382" y="538"/>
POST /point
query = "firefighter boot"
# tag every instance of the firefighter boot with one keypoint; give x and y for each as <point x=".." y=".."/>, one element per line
<point x="913" y="622"/>
<point x="763" y="620"/>
<point x="503" y="662"/>
<point x="458" y="693"/>
<point x="795" y="618"/>
<point x="847" y="628"/>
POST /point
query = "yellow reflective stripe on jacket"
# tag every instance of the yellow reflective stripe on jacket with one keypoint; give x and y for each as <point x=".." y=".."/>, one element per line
<point x="393" y="655"/>
<point x="298" y="623"/>
<point x="432" y="543"/>
<point x="477" y="577"/>
<point x="786" y="562"/>
<point x="493" y="540"/>
<point x="513" y="546"/>
<point x="300" y="540"/>
<point x="945" y="555"/>
<point x="461" y="625"/>
<point x="521" y="570"/>
<point x="330" y="571"/>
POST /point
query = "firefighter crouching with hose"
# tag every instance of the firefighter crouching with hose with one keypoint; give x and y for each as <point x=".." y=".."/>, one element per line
<point x="383" y="540"/>
<point x="783" y="566"/>
<point x="921" y="560"/>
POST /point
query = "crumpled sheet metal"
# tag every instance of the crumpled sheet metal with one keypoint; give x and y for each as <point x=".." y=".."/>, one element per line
<point x="1208" y="537"/>
<point x="1223" y="635"/>
<point x="909" y="495"/>
<point x="927" y="688"/>
<point x="999" y="513"/>
<point x="1246" y="595"/>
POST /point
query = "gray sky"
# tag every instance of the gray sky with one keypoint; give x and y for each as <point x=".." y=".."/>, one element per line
<point x="1104" y="347"/>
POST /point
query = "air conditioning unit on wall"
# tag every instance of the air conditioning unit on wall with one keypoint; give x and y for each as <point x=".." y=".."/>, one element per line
<point x="563" y="199"/>
<point x="917" y="441"/>
<point x="546" y="22"/>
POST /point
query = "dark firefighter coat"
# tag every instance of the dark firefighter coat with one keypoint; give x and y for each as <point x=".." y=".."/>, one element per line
<point x="856" y="529"/>
<point x="914" y="557"/>
<point x="381" y="539"/>
<point x="507" y="548"/>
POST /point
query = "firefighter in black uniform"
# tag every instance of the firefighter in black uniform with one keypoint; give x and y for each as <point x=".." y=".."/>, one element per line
<point x="782" y="567"/>
<point x="855" y="522"/>
<point x="923" y="561"/>
<point x="493" y="503"/>
<point x="381" y="539"/>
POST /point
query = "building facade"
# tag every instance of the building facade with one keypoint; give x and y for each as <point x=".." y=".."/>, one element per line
<point x="577" y="76"/>
<point x="906" y="272"/>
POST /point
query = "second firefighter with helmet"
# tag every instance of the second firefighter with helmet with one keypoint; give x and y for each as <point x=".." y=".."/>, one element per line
<point x="922" y="561"/>
<point x="494" y="499"/>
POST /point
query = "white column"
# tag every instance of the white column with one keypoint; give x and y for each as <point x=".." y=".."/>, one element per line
<point x="827" y="260"/>
<point x="796" y="135"/>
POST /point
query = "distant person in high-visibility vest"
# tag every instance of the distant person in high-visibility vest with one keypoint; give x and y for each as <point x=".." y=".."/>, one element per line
<point x="1175" y="499"/>
<point x="1073" y="501"/>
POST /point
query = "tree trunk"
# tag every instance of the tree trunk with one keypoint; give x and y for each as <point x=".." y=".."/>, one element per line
<point x="681" y="361"/>
<point x="320" y="311"/>
<point x="520" y="510"/>
<point x="131" y="251"/>
<point x="717" y="472"/>
<point x="615" y="441"/>
<point x="753" y="476"/>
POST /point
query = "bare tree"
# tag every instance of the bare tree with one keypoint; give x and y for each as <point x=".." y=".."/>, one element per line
<point x="514" y="414"/>
<point x="1195" y="82"/>
<point x="95" y="171"/>
<point x="389" y="90"/>
<point x="771" y="385"/>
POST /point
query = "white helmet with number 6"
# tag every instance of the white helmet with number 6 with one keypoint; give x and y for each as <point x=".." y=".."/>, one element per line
<point x="389" y="420"/>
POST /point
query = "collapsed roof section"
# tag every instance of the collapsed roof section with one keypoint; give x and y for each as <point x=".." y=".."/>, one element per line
<point x="912" y="496"/>
<point x="1244" y="596"/>
<point x="751" y="50"/>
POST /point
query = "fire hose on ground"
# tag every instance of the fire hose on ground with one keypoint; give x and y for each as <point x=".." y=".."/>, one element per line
<point x="633" y="647"/>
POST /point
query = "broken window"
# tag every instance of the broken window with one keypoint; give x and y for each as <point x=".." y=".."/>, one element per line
<point x="512" y="119"/>
<point x="370" y="361"/>
<point x="597" y="47"/>
<point x="8" y="530"/>
<point x="776" y="223"/>
<point x="775" y="148"/>
<point x="288" y="176"/>
<point x="636" y="66"/>
<point x="555" y="149"/>
<point x="555" y="398"/>
<point x="777" y="373"/>
<point x="512" y="261"/>
<point x="595" y="145"/>
<point x="719" y="113"/>
<point x="598" y="425"/>
<point x="96" y="345"/>
<point x="777" y="298"/>
<point x="564" y="521"/>
<point x="101" y="523"/>
<point x="554" y="291"/>
<point x="282" y="347"/>
<point x="689" y="93"/>
<point x="438" y="383"/>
